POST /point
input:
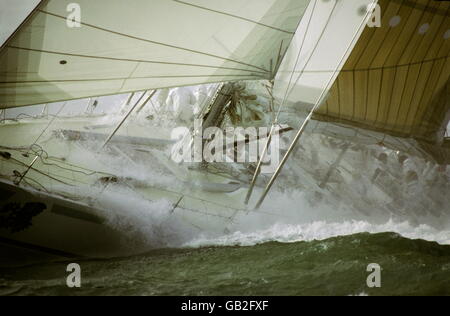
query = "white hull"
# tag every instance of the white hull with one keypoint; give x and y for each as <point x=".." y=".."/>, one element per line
<point x="65" y="179"/>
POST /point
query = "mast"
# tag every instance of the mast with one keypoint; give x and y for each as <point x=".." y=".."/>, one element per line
<point x="215" y="115"/>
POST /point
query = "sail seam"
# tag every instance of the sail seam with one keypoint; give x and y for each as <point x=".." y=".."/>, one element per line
<point x="409" y="71"/>
<point x="156" y="43"/>
<point x="23" y="24"/>
<point x="300" y="74"/>
<point x="133" y="60"/>
<point x="234" y="16"/>
<point x="123" y="78"/>
<point x="383" y="116"/>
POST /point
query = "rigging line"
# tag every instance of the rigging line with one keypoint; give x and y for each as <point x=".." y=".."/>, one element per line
<point x="49" y="124"/>
<point x="157" y="43"/>
<point x="132" y="60"/>
<point x="128" y="115"/>
<point x="22" y="176"/>
<point x="315" y="47"/>
<point x="191" y="84"/>
<point x="275" y="120"/>
<point x="38" y="155"/>
<point x="234" y="16"/>
<point x="299" y="54"/>
<point x="31" y="168"/>
<point x="124" y="81"/>
<point x="41" y="153"/>
<point x="308" y="118"/>
<point x="39" y="184"/>
<point x="72" y="170"/>
<point x="279" y="59"/>
<point x="126" y="78"/>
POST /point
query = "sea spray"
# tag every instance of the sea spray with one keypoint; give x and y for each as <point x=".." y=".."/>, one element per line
<point x="297" y="208"/>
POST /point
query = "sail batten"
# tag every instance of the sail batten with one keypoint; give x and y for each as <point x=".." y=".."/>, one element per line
<point x="160" y="43"/>
<point x="124" y="47"/>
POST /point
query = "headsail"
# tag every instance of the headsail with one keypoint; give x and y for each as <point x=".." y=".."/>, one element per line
<point x="396" y="81"/>
<point x="325" y="38"/>
<point x="125" y="46"/>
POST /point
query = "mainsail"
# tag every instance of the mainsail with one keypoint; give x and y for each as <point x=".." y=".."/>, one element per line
<point x="12" y="14"/>
<point x="122" y="46"/>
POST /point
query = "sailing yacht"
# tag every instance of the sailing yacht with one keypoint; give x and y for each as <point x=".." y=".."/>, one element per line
<point x="314" y="66"/>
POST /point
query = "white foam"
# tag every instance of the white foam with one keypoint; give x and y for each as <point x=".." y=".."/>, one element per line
<point x="144" y="224"/>
<point x="321" y="230"/>
<point x="293" y="217"/>
<point x="299" y="220"/>
<point x="147" y="225"/>
<point x="297" y="216"/>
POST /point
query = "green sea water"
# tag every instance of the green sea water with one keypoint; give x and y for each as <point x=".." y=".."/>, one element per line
<point x="336" y="266"/>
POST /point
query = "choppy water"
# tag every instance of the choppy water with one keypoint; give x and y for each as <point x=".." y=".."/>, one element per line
<point x="300" y="243"/>
<point x="335" y="266"/>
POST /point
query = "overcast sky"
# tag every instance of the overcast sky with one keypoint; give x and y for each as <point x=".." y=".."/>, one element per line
<point x="12" y="13"/>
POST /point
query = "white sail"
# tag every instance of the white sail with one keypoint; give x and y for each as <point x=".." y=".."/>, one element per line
<point x="397" y="78"/>
<point x="324" y="40"/>
<point x="12" y="14"/>
<point x="123" y="46"/>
